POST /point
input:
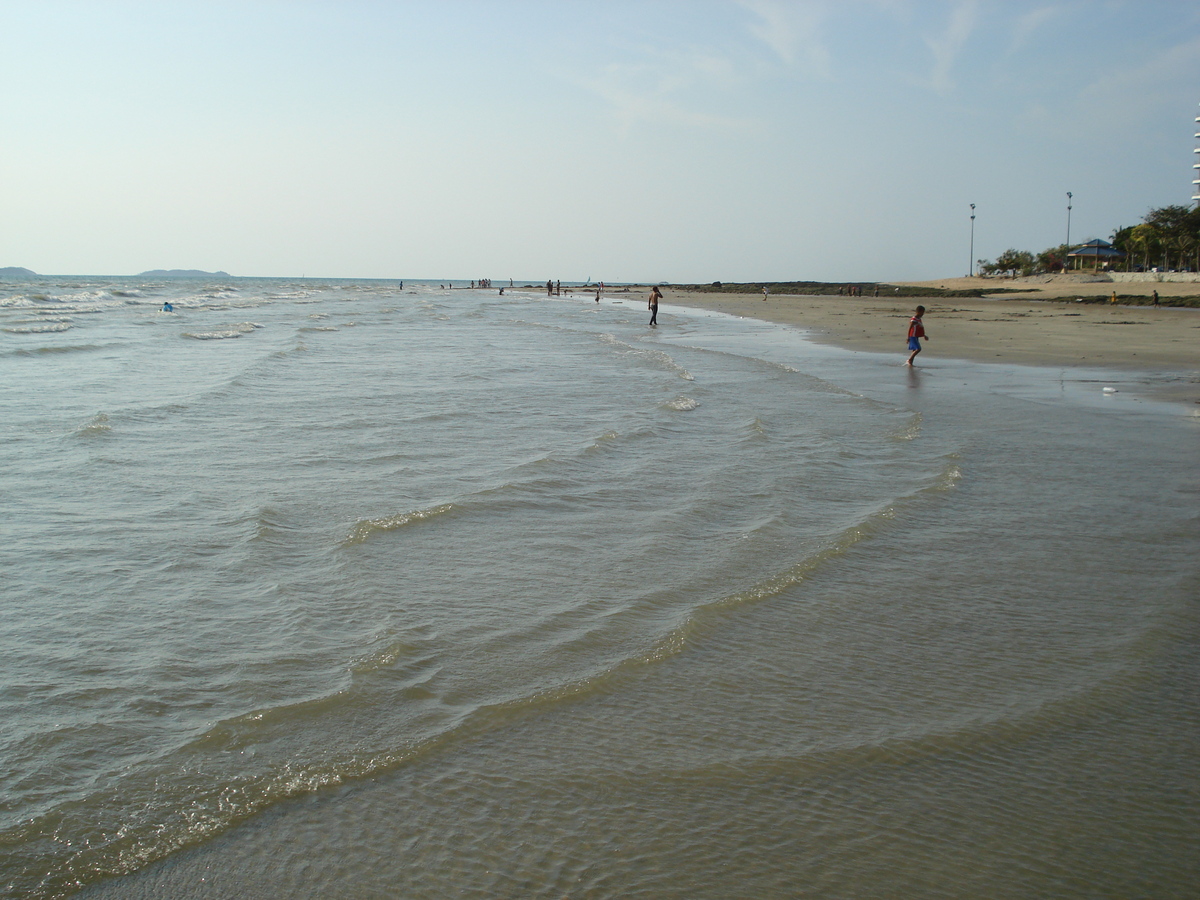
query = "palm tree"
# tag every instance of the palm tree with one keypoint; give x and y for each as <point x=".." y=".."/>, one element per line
<point x="1172" y="223"/>
<point x="1144" y="236"/>
<point x="1121" y="240"/>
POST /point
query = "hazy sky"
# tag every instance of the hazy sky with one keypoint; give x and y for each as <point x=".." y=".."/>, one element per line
<point x="680" y="141"/>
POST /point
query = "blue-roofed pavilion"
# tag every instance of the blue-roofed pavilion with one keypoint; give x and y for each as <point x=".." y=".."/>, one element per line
<point x="1095" y="251"/>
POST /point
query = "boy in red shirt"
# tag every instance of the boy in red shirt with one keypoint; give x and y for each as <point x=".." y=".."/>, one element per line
<point x="916" y="330"/>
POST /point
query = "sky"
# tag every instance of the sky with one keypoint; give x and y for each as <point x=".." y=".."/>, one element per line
<point x="732" y="140"/>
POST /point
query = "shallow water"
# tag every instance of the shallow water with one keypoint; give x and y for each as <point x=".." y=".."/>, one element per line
<point x="334" y="589"/>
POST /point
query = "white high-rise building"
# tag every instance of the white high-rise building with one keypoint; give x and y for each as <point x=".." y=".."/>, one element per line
<point x="1196" y="182"/>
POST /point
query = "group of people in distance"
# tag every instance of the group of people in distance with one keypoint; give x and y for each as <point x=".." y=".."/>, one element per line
<point x="554" y="289"/>
<point x="916" y="325"/>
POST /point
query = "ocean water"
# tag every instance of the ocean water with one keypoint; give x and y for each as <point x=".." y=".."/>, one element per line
<point x="338" y="589"/>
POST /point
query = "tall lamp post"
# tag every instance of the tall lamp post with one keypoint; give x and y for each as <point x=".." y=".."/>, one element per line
<point x="1068" y="229"/>
<point x="971" y="261"/>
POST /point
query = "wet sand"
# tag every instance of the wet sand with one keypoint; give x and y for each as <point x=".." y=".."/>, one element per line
<point x="1046" y="327"/>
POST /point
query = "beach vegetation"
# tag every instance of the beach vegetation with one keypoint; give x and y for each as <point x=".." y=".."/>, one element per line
<point x="1138" y="300"/>
<point x="1168" y="237"/>
<point x="837" y="288"/>
<point x="1130" y="241"/>
<point x="1012" y="263"/>
<point x="1052" y="259"/>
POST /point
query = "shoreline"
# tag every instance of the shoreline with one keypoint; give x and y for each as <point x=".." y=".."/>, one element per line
<point x="1036" y="330"/>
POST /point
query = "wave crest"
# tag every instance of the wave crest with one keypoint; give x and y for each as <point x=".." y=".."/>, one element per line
<point x="365" y="529"/>
<point x="229" y="331"/>
<point x="659" y="358"/>
<point x="40" y="327"/>
<point x="681" y="404"/>
<point x="98" y="424"/>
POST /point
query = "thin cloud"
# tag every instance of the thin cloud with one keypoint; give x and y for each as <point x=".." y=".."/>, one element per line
<point x="657" y="93"/>
<point x="793" y="32"/>
<point x="1150" y="82"/>
<point x="1031" y="23"/>
<point x="1164" y="79"/>
<point x="947" y="46"/>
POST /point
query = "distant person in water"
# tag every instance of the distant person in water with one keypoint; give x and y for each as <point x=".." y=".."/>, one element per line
<point x="655" y="296"/>
<point x="916" y="331"/>
<point x="167" y="307"/>
<point x="549" y="288"/>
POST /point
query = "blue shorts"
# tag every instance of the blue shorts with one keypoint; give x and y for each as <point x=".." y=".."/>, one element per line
<point x="914" y="344"/>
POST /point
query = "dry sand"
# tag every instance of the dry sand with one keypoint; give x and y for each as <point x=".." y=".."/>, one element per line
<point x="1045" y="327"/>
<point x="1063" y="287"/>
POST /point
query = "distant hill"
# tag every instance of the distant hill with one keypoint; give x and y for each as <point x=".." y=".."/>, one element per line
<point x="15" y="272"/>
<point x="182" y="273"/>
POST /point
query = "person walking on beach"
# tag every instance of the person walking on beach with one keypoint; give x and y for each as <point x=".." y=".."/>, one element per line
<point x="655" y="296"/>
<point x="916" y="331"/>
<point x="1156" y="299"/>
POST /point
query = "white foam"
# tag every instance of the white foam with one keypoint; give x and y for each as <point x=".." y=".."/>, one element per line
<point x="683" y="404"/>
<point x="229" y="331"/>
<point x="40" y="328"/>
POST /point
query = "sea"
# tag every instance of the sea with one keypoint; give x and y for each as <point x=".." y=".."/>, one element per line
<point x="359" y="589"/>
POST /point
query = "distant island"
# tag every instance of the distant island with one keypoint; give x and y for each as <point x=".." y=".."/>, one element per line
<point x="15" y="272"/>
<point x="181" y="273"/>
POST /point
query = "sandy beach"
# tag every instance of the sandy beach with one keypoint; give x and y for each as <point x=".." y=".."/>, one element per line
<point x="1044" y="327"/>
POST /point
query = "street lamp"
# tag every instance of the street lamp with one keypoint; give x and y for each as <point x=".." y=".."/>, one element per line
<point x="971" y="261"/>
<point x="1069" y="195"/>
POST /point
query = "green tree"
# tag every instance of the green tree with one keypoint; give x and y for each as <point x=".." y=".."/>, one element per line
<point x="1190" y="239"/>
<point x="1011" y="262"/>
<point x="1172" y="224"/>
<point x="1052" y="259"/>
<point x="1145" y="237"/>
<point x="1122" y="239"/>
